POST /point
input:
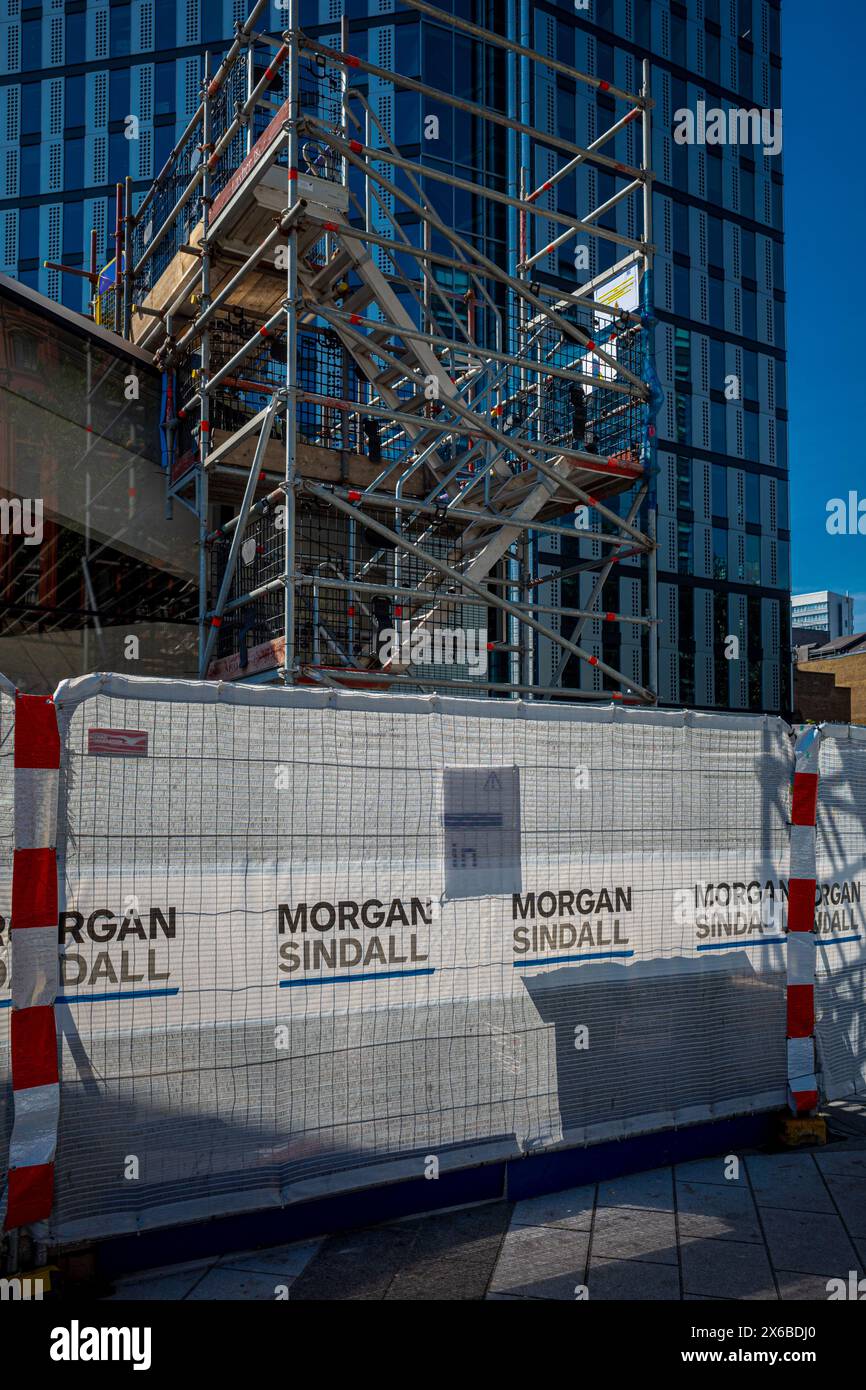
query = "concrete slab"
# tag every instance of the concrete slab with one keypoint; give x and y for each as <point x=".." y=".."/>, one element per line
<point x="849" y="1194"/>
<point x="572" y="1209"/>
<point x="802" y="1287"/>
<point x="456" y="1278"/>
<point x="240" y="1285"/>
<point x="163" y="1285"/>
<point x="284" y="1260"/>
<point x="791" y="1181"/>
<point x="632" y="1280"/>
<point x="628" y="1233"/>
<point x="653" y="1191"/>
<point x="712" y="1212"/>
<point x="847" y="1162"/>
<point x="809" y="1243"/>
<point x="711" y="1170"/>
<point x="541" y="1262"/>
<point x="726" y="1269"/>
<point x="359" y="1265"/>
<point x="453" y="1256"/>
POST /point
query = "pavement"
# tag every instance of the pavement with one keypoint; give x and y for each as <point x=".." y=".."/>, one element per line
<point x="765" y="1227"/>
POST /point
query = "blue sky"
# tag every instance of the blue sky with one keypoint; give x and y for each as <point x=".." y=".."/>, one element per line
<point x="823" y="54"/>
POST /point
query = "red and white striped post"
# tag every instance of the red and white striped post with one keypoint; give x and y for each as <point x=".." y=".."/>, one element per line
<point x="802" y="875"/>
<point x="33" y="945"/>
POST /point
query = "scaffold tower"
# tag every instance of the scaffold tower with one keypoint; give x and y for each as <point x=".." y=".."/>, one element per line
<point x="415" y="465"/>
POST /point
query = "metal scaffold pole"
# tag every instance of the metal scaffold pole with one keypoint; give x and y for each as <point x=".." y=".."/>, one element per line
<point x="650" y="332"/>
<point x="204" y="370"/>
<point x="291" y="397"/>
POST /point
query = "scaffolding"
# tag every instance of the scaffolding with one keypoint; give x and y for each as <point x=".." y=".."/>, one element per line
<point x="382" y="429"/>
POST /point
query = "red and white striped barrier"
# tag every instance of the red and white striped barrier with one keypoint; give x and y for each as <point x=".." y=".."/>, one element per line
<point x="802" y="1083"/>
<point x="33" y="945"/>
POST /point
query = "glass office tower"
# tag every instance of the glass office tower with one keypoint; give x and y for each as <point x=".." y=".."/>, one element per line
<point x="71" y="75"/>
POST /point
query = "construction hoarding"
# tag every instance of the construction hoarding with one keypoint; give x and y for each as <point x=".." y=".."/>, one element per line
<point x="309" y="939"/>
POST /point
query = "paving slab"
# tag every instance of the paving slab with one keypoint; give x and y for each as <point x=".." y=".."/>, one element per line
<point x="239" y="1285"/>
<point x="726" y="1269"/>
<point x="849" y="1194"/>
<point x="162" y="1285"/>
<point x="460" y="1233"/>
<point x="849" y="1162"/>
<point x="571" y="1209"/>
<point x="629" y="1233"/>
<point x="285" y="1260"/>
<point x="631" y="1280"/>
<point x="711" y="1170"/>
<point x="453" y="1255"/>
<point x="454" y="1279"/>
<point x="653" y="1191"/>
<point x="791" y="1181"/>
<point x="809" y="1243"/>
<point x="713" y="1212"/>
<point x="802" y="1287"/>
<point x="541" y="1262"/>
<point x="359" y="1265"/>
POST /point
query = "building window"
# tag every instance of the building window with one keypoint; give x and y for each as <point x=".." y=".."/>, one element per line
<point x="753" y="560"/>
<point x="682" y="355"/>
<point x="25" y="351"/>
<point x="683" y="415"/>
<point x="720" y="553"/>
<point x="684" y="482"/>
<point x="685" y="551"/>
<point x="75" y="42"/>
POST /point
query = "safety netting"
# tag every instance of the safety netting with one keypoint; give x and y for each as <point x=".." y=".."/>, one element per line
<point x="311" y="940"/>
<point x="840" y="917"/>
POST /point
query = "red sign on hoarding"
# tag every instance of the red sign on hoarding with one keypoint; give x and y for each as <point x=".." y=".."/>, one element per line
<point x="117" y="743"/>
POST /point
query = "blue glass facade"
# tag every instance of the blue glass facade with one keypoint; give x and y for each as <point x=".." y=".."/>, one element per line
<point x="71" y="75"/>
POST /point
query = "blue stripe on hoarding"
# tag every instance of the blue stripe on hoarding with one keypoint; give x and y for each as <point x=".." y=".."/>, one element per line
<point x="837" y="940"/>
<point x="561" y="960"/>
<point x="730" y="945"/>
<point x="349" y="979"/>
<point x="114" y="994"/>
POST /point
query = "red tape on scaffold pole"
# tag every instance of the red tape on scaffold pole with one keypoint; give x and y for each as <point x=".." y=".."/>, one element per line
<point x="802" y="875"/>
<point x="34" y="968"/>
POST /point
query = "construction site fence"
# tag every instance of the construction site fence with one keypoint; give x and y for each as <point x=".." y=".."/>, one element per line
<point x="311" y="941"/>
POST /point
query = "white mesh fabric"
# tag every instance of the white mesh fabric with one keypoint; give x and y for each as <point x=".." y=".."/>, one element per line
<point x="235" y="1083"/>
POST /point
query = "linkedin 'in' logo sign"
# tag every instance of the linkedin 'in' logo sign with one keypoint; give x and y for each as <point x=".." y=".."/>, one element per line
<point x="482" y="831"/>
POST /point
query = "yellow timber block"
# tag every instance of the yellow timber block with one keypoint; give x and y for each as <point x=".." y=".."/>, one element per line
<point x="803" y="1129"/>
<point x="42" y="1275"/>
